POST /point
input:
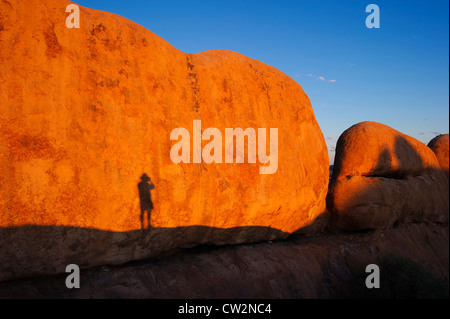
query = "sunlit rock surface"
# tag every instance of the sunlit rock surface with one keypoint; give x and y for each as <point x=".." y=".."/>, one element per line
<point x="84" y="113"/>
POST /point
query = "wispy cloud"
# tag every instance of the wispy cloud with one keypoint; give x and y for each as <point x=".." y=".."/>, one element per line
<point x="320" y="78"/>
<point x="421" y="133"/>
<point x="330" y="138"/>
<point x="427" y="119"/>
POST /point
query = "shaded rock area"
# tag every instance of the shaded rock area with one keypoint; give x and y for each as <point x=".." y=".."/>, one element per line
<point x="319" y="266"/>
<point x="56" y="247"/>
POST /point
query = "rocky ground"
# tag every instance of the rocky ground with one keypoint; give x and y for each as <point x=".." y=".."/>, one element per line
<point x="413" y="260"/>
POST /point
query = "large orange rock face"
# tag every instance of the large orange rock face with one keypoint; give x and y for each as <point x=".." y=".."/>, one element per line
<point x="383" y="177"/>
<point x="86" y="112"/>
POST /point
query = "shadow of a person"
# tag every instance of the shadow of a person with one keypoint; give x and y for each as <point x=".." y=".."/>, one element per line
<point x="145" y="197"/>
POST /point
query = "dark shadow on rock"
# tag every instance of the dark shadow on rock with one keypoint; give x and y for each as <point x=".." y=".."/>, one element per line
<point x="145" y="186"/>
<point x="331" y="266"/>
<point x="33" y="250"/>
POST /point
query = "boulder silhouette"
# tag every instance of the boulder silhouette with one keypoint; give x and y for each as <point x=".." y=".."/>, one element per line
<point x="383" y="177"/>
<point x="86" y="111"/>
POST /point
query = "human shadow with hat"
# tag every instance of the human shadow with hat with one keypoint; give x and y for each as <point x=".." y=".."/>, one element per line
<point x="145" y="186"/>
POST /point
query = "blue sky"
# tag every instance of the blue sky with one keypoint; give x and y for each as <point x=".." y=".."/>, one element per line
<point x="397" y="75"/>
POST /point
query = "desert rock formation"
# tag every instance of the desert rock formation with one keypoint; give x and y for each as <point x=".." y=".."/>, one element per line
<point x="86" y="112"/>
<point x="85" y="124"/>
<point x="382" y="177"/>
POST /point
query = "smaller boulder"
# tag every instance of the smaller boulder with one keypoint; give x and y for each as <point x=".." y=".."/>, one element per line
<point x="383" y="177"/>
<point x="440" y="146"/>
